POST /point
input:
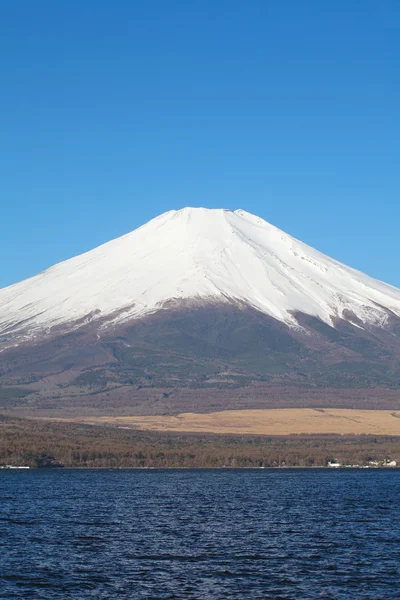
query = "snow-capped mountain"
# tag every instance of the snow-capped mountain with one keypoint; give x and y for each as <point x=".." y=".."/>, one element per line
<point x="199" y="310"/>
<point x="194" y="254"/>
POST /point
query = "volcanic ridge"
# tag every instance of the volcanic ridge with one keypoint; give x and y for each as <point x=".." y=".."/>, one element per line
<point x="199" y="310"/>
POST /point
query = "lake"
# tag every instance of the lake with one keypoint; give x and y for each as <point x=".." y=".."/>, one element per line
<point x="200" y="534"/>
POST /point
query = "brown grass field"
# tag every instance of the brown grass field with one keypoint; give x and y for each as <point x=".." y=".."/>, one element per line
<point x="284" y="421"/>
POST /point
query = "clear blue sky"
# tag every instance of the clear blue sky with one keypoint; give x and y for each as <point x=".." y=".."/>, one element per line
<point x="115" y="111"/>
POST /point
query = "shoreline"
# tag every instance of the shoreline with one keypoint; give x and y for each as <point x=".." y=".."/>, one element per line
<point x="281" y="467"/>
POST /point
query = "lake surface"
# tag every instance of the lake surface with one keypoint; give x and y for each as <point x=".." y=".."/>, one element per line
<point x="158" y="534"/>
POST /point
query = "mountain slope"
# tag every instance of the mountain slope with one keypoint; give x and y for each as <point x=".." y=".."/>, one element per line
<point x="194" y="254"/>
<point x="199" y="310"/>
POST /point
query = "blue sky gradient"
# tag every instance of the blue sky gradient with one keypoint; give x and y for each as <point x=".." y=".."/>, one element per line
<point x="113" y="112"/>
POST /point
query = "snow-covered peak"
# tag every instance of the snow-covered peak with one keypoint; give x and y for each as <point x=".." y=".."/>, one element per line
<point x="195" y="253"/>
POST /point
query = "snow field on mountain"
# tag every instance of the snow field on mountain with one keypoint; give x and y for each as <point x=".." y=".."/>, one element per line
<point x="195" y="253"/>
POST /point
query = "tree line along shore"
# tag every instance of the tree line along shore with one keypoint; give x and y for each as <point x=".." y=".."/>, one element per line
<point x="51" y="444"/>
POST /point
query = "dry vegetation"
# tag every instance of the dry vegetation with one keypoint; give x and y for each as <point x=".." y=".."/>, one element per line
<point x="265" y="422"/>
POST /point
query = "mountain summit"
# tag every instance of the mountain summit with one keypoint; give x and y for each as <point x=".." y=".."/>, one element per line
<point x="194" y="254"/>
<point x="199" y="310"/>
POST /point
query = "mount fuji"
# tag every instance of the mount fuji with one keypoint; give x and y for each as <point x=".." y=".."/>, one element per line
<point x="199" y="308"/>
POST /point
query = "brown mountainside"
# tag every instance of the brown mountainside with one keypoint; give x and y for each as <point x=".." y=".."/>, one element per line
<point x="204" y="358"/>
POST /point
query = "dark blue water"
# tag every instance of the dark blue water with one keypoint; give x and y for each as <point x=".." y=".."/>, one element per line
<point x="200" y="534"/>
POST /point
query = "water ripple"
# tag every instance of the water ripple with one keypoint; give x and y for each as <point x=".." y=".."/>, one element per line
<point x="206" y="535"/>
